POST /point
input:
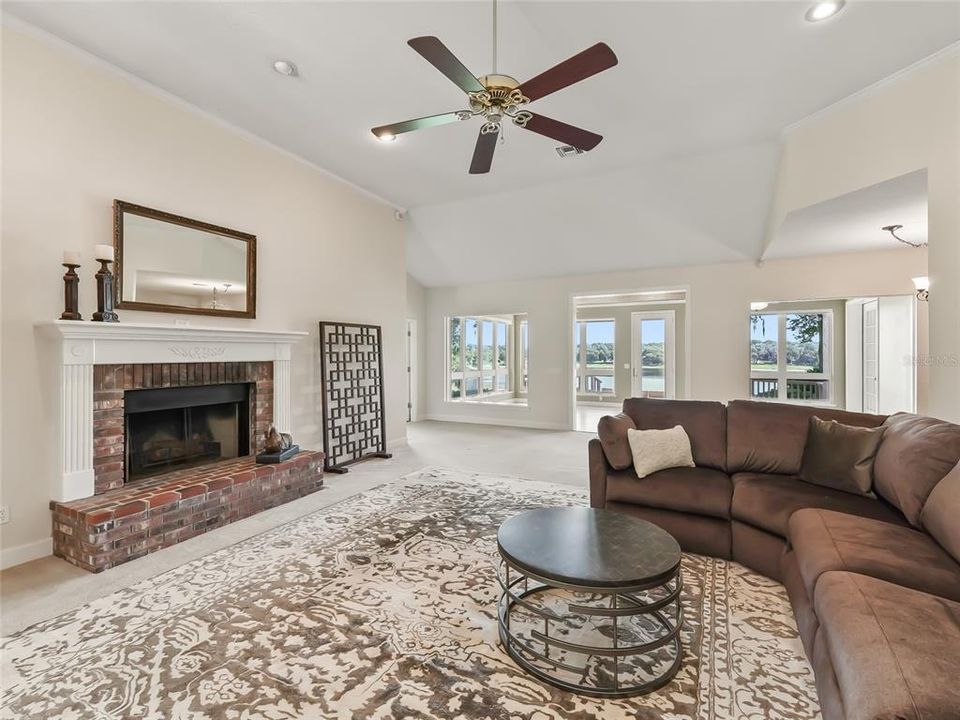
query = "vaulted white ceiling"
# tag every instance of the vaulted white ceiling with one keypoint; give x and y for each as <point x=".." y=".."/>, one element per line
<point x="691" y="115"/>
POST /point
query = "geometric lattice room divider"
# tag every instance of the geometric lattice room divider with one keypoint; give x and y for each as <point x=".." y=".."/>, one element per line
<point x="351" y="379"/>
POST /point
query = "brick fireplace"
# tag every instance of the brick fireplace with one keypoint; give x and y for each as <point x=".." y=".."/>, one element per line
<point x="113" y="384"/>
<point x="158" y="430"/>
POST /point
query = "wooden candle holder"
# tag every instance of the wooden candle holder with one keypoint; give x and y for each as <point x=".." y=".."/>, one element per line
<point x="105" y="311"/>
<point x="71" y="293"/>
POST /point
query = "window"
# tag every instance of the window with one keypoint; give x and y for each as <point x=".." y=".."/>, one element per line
<point x="790" y="356"/>
<point x="593" y="357"/>
<point x="479" y="353"/>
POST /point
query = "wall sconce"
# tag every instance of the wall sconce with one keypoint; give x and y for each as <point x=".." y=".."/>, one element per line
<point x="922" y="284"/>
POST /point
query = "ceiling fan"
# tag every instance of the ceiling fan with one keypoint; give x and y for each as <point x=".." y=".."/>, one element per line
<point x="498" y="98"/>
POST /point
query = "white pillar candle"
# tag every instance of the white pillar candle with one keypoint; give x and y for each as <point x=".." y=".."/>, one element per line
<point x="71" y="257"/>
<point x="103" y="252"/>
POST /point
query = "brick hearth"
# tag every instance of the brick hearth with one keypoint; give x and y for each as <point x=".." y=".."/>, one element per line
<point x="111" y="381"/>
<point x="114" y="527"/>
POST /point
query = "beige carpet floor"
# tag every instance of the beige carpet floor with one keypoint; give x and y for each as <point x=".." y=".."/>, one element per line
<point x="382" y="606"/>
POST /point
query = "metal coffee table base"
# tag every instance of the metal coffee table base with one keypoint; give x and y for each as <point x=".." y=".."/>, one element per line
<point x="518" y="586"/>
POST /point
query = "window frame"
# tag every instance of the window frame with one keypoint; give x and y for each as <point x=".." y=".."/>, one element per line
<point x="781" y="374"/>
<point x="494" y="373"/>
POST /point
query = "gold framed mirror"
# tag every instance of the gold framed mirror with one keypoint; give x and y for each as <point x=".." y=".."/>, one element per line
<point x="169" y="263"/>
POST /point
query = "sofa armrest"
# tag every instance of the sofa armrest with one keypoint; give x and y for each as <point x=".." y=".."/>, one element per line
<point x="599" y="467"/>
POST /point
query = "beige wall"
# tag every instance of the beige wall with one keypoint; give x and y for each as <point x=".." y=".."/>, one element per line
<point x="909" y="122"/>
<point x="623" y="345"/>
<point x="718" y="309"/>
<point x="76" y="135"/>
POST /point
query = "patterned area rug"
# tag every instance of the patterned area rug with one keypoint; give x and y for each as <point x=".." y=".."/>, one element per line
<point x="383" y="606"/>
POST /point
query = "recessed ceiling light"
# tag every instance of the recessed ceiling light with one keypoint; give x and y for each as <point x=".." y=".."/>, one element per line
<point x="824" y="10"/>
<point x="386" y="137"/>
<point x="285" y="67"/>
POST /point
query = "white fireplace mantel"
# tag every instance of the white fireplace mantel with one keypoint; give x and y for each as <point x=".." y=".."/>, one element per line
<point x="85" y="344"/>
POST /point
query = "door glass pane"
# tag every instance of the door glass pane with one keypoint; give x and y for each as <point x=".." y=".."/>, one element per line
<point x="471" y="348"/>
<point x="502" y="383"/>
<point x="764" y="342"/>
<point x="487" y="340"/>
<point x="600" y="348"/>
<point x="456" y="388"/>
<point x="487" y="384"/>
<point x="653" y="370"/>
<point x="455" y="340"/>
<point x="804" y="343"/>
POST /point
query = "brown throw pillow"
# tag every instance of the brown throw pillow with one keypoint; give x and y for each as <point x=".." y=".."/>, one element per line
<point x="840" y="456"/>
<point x="612" y="431"/>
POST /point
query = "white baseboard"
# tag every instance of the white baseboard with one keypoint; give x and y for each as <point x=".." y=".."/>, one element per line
<point x="504" y="422"/>
<point x="25" y="553"/>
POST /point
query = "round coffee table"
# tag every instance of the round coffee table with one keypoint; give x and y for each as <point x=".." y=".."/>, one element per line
<point x="590" y="600"/>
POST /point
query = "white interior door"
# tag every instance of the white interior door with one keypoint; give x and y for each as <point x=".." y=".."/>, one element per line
<point x="653" y="352"/>
<point x="411" y="370"/>
<point x="871" y="357"/>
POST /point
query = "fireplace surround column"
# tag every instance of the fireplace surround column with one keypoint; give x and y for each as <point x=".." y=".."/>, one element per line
<point x="76" y="426"/>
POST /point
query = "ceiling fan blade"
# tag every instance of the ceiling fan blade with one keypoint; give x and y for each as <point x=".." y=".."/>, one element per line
<point x="438" y="55"/>
<point x="572" y="70"/>
<point x="569" y="134"/>
<point x="416" y="124"/>
<point x="483" y="152"/>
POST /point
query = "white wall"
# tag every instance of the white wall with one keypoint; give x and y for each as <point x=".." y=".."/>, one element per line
<point x="909" y="122"/>
<point x="717" y="314"/>
<point x="76" y="135"/>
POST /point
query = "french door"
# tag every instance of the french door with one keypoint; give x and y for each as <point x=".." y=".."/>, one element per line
<point x="653" y="351"/>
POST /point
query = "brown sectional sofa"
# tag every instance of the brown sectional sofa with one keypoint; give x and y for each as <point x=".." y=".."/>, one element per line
<point x="874" y="580"/>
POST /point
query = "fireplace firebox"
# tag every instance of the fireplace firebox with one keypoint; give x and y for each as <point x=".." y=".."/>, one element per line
<point x="180" y="427"/>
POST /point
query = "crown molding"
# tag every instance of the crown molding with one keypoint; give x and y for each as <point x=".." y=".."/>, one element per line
<point x="940" y="55"/>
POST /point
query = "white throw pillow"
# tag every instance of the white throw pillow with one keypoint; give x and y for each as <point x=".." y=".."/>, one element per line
<point x="655" y="450"/>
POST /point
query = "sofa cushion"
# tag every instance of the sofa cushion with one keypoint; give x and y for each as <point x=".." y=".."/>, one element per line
<point x="941" y="513"/>
<point x="824" y="540"/>
<point x="612" y="431"/>
<point x="840" y="456"/>
<point x="705" y="423"/>
<point x="656" y="450"/>
<point x="895" y="651"/>
<point x="768" y="437"/>
<point x="702" y="491"/>
<point x="916" y="453"/>
<point x="767" y="501"/>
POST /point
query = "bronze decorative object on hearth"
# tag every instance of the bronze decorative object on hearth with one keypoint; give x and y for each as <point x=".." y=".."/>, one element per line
<point x="277" y="447"/>
<point x="351" y="379"/>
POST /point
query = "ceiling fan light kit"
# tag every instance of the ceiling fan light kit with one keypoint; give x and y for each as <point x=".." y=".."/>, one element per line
<point x="498" y="98"/>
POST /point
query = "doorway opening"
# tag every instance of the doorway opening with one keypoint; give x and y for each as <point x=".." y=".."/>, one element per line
<point x="626" y="344"/>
